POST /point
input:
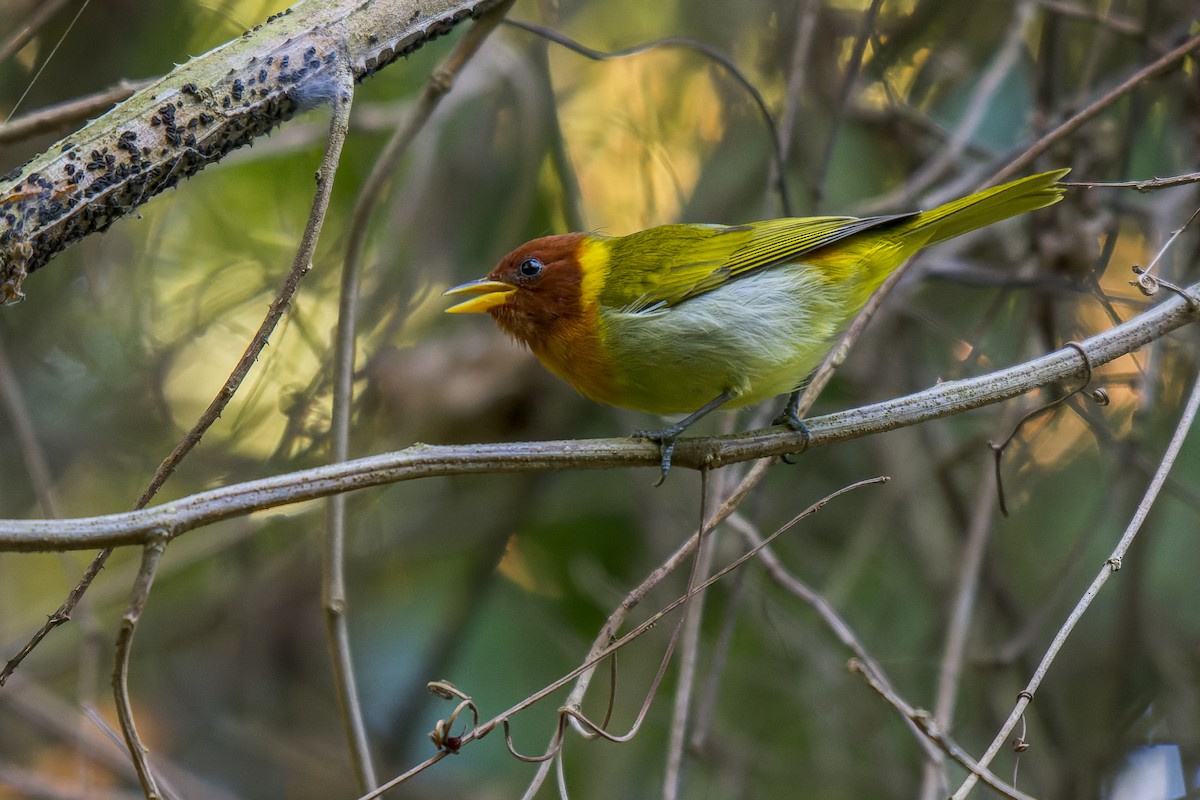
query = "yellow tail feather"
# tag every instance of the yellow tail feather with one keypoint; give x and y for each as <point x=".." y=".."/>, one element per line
<point x="991" y="205"/>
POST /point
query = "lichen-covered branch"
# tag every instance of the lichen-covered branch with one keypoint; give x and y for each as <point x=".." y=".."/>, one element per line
<point x="202" y="110"/>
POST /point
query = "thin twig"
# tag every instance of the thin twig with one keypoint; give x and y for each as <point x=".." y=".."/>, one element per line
<point x="1110" y="566"/>
<point x="1148" y="283"/>
<point x="709" y="52"/>
<point x="1164" y="64"/>
<point x="853" y="67"/>
<point x="930" y="729"/>
<point x="141" y="593"/>
<point x="571" y="714"/>
<point x="950" y="674"/>
<point x="603" y="643"/>
<point x="999" y="448"/>
<point x="1148" y="185"/>
<point x="616" y="619"/>
<point x="301" y="265"/>
<point x="334" y="596"/>
<point x="614" y="644"/>
<point x="60" y="616"/>
<point x="333" y="587"/>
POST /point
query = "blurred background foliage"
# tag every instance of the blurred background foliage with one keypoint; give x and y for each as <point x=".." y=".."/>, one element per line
<point x="499" y="583"/>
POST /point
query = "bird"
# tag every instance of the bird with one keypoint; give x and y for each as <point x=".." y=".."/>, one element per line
<point x="689" y="318"/>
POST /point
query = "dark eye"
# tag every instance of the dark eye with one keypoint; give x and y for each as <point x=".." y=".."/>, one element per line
<point x="530" y="268"/>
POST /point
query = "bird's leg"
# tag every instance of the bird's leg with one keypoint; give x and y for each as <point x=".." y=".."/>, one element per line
<point x="666" y="437"/>
<point x="790" y="416"/>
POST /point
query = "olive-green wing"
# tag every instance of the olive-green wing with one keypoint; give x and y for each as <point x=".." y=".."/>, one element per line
<point x="664" y="266"/>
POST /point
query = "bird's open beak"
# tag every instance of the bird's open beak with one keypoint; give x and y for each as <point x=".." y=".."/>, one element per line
<point x="490" y="294"/>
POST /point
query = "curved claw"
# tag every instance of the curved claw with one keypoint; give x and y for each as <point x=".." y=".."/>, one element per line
<point x="791" y="418"/>
<point x="666" y="437"/>
<point x="666" y="448"/>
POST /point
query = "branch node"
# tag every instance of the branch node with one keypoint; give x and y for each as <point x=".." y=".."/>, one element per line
<point x="440" y="735"/>
<point x="1087" y="362"/>
<point x="1148" y="284"/>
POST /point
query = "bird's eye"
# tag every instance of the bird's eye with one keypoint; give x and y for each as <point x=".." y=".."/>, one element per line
<point x="530" y="268"/>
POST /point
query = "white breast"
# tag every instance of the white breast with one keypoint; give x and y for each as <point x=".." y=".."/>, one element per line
<point x="759" y="336"/>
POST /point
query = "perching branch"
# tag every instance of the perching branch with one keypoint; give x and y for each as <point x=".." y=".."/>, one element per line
<point x="426" y="461"/>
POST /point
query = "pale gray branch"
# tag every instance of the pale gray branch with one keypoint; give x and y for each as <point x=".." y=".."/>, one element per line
<point x="427" y="461"/>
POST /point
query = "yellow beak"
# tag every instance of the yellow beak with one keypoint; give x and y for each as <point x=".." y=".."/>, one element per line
<point x="490" y="294"/>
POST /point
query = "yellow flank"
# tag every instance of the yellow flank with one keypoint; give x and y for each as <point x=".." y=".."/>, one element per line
<point x="860" y="265"/>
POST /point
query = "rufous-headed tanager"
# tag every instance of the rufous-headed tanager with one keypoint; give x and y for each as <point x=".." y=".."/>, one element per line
<point x="689" y="318"/>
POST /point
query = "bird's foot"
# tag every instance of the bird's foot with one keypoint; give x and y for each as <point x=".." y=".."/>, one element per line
<point x="790" y="417"/>
<point x="667" y="436"/>
<point x="666" y="447"/>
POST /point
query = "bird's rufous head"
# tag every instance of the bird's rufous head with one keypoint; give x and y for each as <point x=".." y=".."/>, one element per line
<point x="532" y="289"/>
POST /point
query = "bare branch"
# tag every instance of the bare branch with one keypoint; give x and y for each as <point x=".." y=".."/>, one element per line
<point x="141" y="593"/>
<point x="58" y="116"/>
<point x="1111" y="565"/>
<point x="427" y="461"/>
<point x="1148" y="185"/>
<point x="1164" y="64"/>
<point x="333" y="583"/>
<point x="613" y="644"/>
<point x="930" y="728"/>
